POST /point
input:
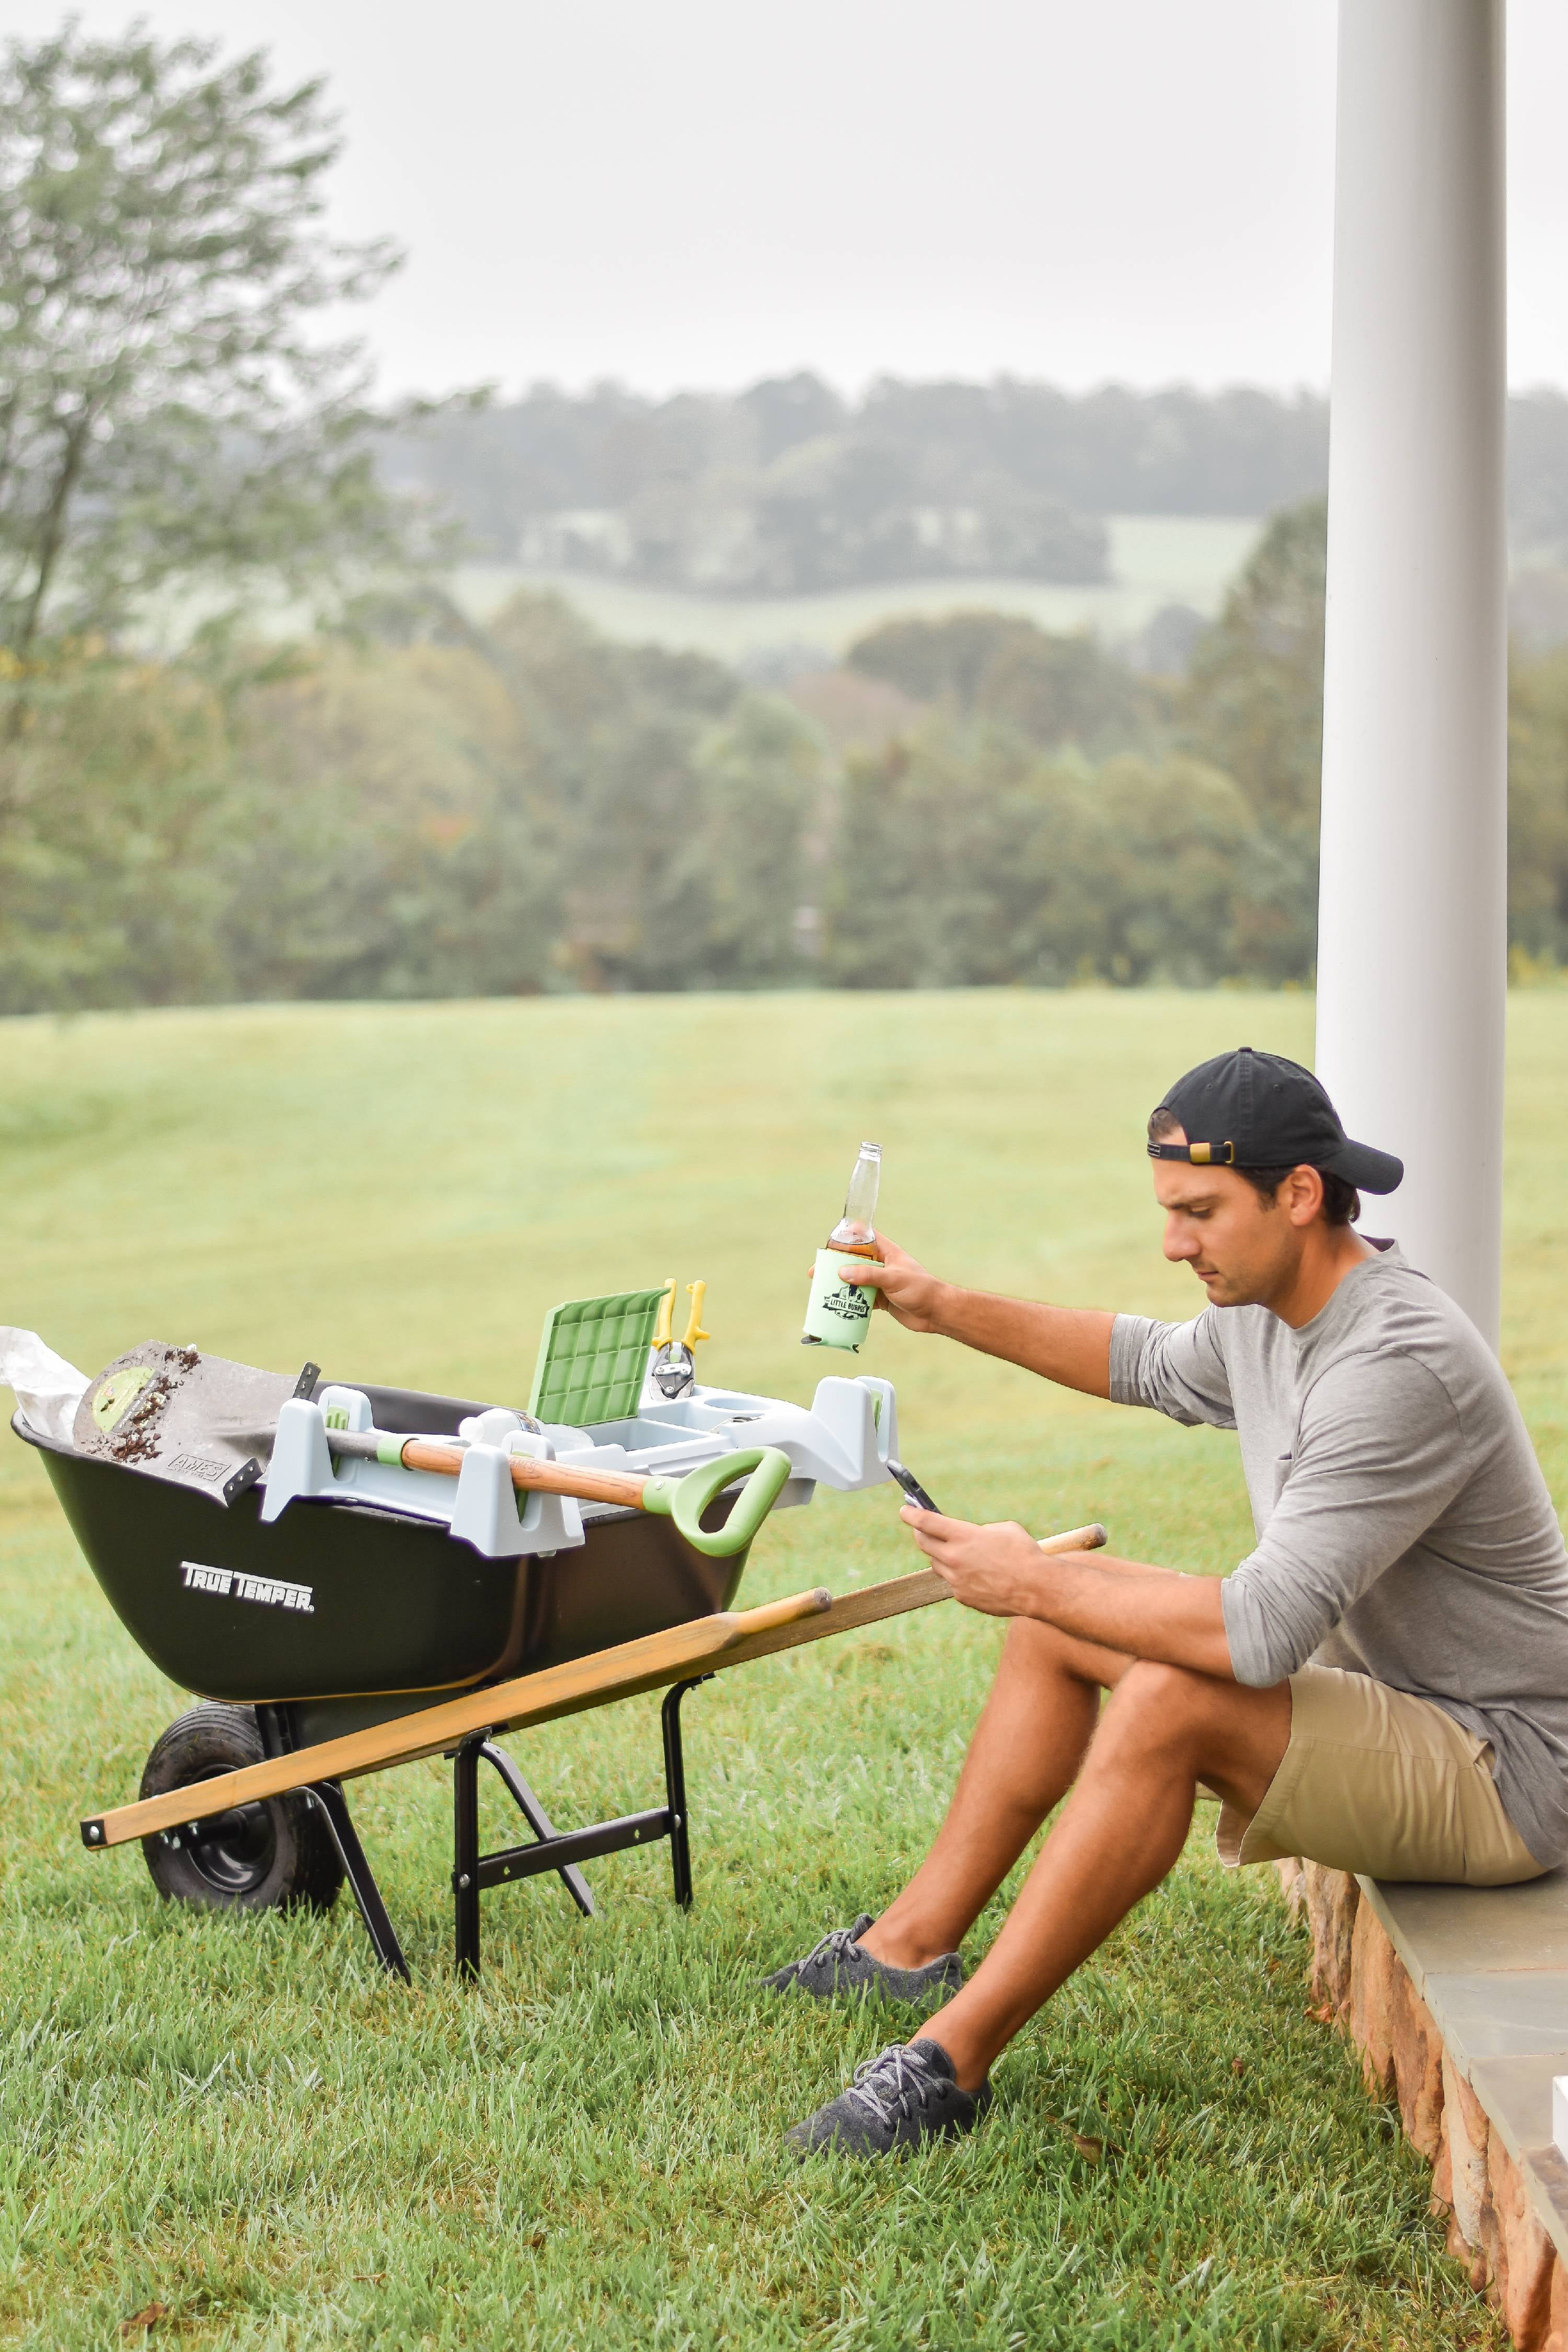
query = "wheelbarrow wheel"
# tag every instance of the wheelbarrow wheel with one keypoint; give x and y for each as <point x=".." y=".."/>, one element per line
<point x="277" y="1855"/>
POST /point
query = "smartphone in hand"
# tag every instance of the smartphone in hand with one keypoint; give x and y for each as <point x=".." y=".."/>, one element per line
<point x="912" y="1486"/>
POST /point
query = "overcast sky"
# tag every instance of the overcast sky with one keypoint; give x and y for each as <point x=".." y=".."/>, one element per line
<point x="701" y="192"/>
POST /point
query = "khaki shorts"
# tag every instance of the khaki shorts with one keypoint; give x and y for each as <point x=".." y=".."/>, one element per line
<point x="1376" y="1781"/>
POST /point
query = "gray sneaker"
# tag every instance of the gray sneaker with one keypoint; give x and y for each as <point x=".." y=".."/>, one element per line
<point x="906" y="2095"/>
<point x="837" y="1970"/>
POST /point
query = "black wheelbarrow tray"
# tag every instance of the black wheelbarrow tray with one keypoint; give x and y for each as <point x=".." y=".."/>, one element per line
<point x="343" y="1637"/>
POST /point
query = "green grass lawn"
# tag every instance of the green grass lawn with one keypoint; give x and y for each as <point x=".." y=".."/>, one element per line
<point x="240" y="2120"/>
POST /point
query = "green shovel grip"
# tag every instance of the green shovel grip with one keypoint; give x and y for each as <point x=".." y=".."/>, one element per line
<point x="684" y="1501"/>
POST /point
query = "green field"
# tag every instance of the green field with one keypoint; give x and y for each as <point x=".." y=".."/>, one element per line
<point x="1155" y="559"/>
<point x="240" y="2121"/>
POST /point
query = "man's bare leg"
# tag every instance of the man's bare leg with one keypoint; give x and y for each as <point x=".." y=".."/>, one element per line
<point x="1026" y="1753"/>
<point x="1166" y="1728"/>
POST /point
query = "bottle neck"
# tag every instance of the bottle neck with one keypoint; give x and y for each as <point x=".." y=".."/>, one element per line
<point x="857" y="1243"/>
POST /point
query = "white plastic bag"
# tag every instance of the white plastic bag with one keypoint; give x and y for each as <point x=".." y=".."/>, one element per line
<point x="48" y="1389"/>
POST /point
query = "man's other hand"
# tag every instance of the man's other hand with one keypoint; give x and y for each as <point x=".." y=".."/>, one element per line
<point x="1124" y="1604"/>
<point x="995" y="1569"/>
<point x="911" y="1295"/>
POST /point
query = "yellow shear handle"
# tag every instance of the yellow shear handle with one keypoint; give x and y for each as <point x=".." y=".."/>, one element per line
<point x="696" y="1291"/>
<point x="661" y="1329"/>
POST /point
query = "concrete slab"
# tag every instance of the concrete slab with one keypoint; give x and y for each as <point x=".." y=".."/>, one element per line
<point x="1517" y="2096"/>
<point x="1501" y="2013"/>
<point x="1476" y="1930"/>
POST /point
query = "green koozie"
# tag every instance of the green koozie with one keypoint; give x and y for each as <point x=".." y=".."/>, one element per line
<point x="837" y="1312"/>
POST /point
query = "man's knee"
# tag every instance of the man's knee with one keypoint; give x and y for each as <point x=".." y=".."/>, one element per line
<point x="1036" y="1651"/>
<point x="1031" y="1644"/>
<point x="1159" y="1709"/>
<point x="1173" y="1718"/>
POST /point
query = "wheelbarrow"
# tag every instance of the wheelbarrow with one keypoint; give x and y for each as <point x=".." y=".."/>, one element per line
<point x="413" y="1574"/>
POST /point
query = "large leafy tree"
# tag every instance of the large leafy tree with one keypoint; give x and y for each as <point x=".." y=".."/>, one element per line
<point x="165" y="415"/>
<point x="1255" y="708"/>
<point x="1255" y="698"/>
<point x="996" y="667"/>
<point x="1538" y="807"/>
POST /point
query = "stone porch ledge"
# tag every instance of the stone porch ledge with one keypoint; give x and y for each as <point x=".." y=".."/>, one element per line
<point x="1456" y="1999"/>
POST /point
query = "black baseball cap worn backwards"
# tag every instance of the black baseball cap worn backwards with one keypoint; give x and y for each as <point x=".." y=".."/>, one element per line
<point x="1257" y="1110"/>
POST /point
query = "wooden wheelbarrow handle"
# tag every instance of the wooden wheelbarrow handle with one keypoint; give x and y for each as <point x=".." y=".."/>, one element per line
<point x="704" y="1645"/>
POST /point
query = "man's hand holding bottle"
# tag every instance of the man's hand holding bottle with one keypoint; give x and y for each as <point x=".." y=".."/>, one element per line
<point x="901" y="1285"/>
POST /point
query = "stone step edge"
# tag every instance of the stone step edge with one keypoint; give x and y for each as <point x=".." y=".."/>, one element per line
<point x="1502" y="2223"/>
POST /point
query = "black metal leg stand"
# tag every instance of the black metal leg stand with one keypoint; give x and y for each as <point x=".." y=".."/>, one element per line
<point x="328" y="1797"/>
<point x="552" y="1849"/>
<point x="675" y="1788"/>
<point x="538" y="1821"/>
<point x="465" y="1855"/>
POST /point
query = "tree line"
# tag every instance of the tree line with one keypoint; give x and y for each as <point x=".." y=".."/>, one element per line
<point x="427" y="808"/>
<point x="788" y="486"/>
<point x="782" y="490"/>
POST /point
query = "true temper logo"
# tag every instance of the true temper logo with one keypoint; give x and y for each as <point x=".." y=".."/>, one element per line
<point x="232" y="1584"/>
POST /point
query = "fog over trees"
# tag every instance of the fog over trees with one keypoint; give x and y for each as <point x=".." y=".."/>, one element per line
<point x="788" y="488"/>
<point x="398" y="801"/>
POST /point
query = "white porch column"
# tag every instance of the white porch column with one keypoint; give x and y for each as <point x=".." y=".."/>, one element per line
<point x="1412" y="932"/>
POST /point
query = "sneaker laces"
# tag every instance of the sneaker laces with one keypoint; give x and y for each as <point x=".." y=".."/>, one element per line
<point x="883" y="2085"/>
<point x="838" y="1946"/>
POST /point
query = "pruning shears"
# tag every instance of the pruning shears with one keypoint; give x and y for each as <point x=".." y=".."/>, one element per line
<point x="674" y="1360"/>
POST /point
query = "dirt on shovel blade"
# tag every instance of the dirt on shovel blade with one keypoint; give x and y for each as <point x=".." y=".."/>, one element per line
<point x="179" y="1414"/>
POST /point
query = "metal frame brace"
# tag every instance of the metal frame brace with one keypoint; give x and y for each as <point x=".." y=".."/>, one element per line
<point x="551" y="1849"/>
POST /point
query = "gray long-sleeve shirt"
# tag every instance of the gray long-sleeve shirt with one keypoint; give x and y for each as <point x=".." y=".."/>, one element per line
<point x="1404" y="1526"/>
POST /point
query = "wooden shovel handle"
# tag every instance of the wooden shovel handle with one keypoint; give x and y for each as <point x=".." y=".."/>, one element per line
<point x="536" y="1477"/>
<point x="622" y="1486"/>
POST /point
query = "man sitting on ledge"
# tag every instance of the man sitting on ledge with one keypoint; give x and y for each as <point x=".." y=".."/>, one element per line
<point x="1382" y="1685"/>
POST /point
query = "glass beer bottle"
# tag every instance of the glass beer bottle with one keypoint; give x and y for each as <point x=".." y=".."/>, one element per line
<point x="838" y="1312"/>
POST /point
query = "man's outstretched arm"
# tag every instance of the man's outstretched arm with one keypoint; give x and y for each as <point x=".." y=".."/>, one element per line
<point x="1067" y="1344"/>
<point x="1144" y="1612"/>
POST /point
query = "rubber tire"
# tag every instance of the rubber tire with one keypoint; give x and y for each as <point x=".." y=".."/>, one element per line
<point x="280" y="1856"/>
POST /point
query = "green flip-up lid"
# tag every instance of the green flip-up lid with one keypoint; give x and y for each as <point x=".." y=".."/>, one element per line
<point x="593" y="1357"/>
